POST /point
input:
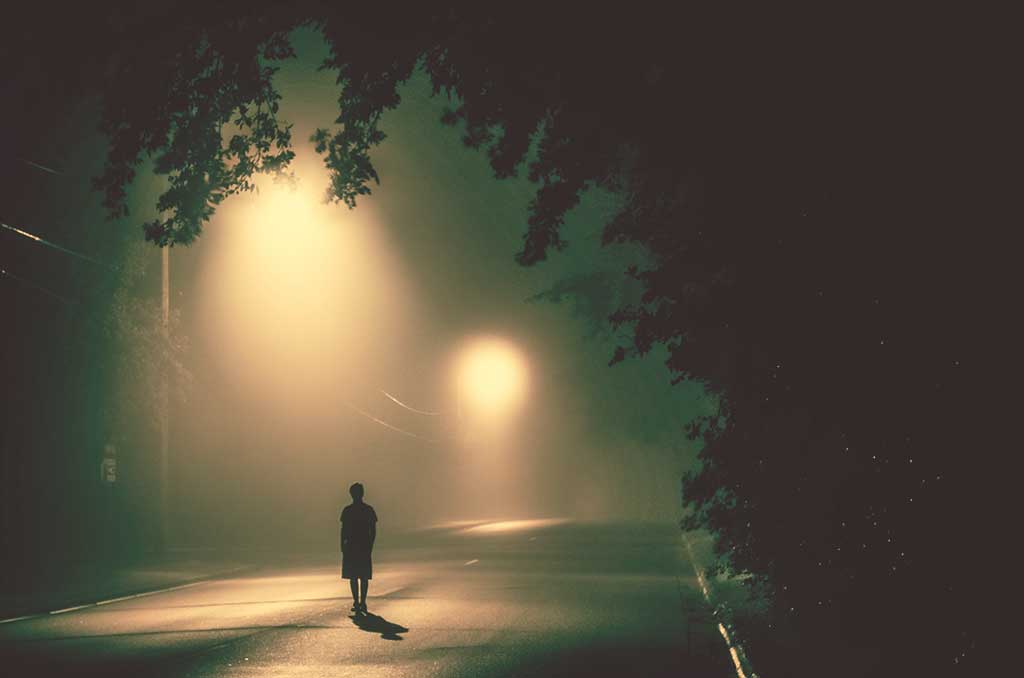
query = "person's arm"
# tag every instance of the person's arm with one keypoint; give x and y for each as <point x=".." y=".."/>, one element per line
<point x="344" y="538"/>
<point x="373" y="532"/>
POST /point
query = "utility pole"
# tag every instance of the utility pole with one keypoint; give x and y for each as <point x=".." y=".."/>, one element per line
<point x="165" y="401"/>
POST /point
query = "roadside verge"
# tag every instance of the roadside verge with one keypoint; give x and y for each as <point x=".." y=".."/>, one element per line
<point x="699" y="557"/>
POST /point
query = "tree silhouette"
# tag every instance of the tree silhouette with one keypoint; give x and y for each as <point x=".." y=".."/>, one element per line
<point x="825" y="295"/>
<point x="815" y="296"/>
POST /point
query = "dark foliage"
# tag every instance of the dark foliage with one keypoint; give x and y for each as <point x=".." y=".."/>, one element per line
<point x="817" y="295"/>
<point x="203" y="107"/>
<point x="822" y="285"/>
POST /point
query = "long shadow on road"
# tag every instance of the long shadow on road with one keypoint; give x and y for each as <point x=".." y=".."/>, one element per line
<point x="373" y="623"/>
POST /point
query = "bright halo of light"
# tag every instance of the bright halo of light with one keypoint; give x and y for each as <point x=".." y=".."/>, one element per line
<point x="491" y="377"/>
<point x="300" y="299"/>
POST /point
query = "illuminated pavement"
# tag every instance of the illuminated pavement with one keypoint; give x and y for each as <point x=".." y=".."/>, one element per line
<point x="532" y="600"/>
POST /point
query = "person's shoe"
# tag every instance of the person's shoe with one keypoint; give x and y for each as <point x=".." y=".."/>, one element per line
<point x="356" y="608"/>
<point x="362" y="608"/>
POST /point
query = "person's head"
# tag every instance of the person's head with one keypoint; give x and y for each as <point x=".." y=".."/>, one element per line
<point x="356" y="491"/>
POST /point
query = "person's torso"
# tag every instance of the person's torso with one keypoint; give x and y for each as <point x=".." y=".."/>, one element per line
<point x="357" y="521"/>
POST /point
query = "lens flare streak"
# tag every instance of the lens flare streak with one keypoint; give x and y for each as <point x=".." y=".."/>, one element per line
<point x="44" y="241"/>
<point x="390" y="426"/>
<point x="409" y="407"/>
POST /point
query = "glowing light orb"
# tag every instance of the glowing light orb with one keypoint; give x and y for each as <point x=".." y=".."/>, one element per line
<point x="492" y="377"/>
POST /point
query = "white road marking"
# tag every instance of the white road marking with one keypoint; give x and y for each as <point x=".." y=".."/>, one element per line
<point x="70" y="609"/>
<point x="147" y="593"/>
<point x="115" y="600"/>
<point x="735" y="650"/>
<point x="14" y="619"/>
<point x="732" y="651"/>
<point x="471" y="562"/>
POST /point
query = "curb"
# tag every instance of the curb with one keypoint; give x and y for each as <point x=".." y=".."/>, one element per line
<point x="722" y="615"/>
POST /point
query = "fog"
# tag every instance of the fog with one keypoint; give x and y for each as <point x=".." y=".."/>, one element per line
<point x="328" y="346"/>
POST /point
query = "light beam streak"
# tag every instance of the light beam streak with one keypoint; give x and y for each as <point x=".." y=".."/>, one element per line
<point x="387" y="425"/>
<point x="23" y="281"/>
<point x="409" y="407"/>
<point x="41" y="167"/>
<point x="44" y="241"/>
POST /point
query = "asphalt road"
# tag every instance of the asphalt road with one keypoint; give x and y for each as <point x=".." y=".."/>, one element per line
<point x="488" y="600"/>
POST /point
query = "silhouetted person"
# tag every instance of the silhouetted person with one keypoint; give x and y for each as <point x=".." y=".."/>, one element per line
<point x="358" y="532"/>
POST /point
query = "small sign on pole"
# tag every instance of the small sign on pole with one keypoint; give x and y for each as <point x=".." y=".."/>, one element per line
<point x="108" y="467"/>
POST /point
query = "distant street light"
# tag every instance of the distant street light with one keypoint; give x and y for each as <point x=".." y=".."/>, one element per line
<point x="491" y="379"/>
<point x="491" y="382"/>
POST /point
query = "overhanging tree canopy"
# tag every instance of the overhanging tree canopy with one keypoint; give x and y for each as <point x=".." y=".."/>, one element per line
<point x="791" y="189"/>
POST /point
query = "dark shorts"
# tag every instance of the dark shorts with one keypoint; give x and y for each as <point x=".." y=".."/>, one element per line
<point x="356" y="564"/>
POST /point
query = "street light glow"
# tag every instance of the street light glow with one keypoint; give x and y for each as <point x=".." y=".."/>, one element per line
<point x="492" y="377"/>
<point x="301" y="297"/>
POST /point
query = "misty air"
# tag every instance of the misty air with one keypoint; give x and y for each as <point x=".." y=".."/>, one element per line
<point x="395" y="341"/>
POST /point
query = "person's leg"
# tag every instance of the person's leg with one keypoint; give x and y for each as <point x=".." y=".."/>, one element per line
<point x="364" y="584"/>
<point x="354" y="584"/>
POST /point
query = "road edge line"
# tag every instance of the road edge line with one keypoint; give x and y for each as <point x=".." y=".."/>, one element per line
<point x="146" y="593"/>
<point x="193" y="582"/>
<point x="736" y="652"/>
<point x="14" y="619"/>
